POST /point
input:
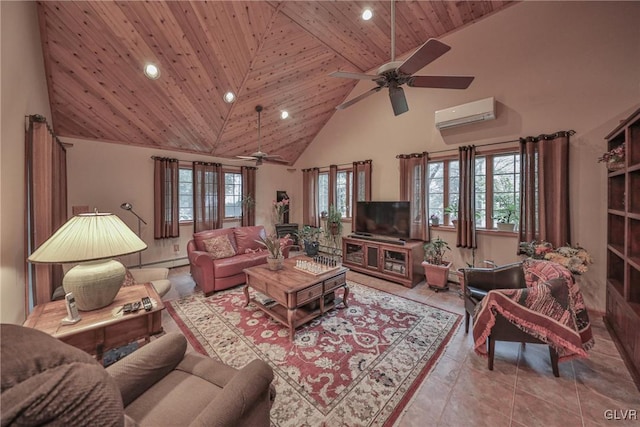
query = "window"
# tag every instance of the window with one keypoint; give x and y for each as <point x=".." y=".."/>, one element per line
<point x="185" y="194"/>
<point x="232" y="194"/>
<point x="497" y="201"/>
<point x="506" y="188"/>
<point x="344" y="189"/>
<point x="442" y="185"/>
<point x="323" y="192"/>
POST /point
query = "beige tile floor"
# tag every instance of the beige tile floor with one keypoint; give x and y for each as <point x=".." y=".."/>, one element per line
<point x="521" y="391"/>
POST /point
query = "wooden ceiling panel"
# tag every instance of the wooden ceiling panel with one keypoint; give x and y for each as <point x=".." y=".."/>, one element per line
<point x="276" y="54"/>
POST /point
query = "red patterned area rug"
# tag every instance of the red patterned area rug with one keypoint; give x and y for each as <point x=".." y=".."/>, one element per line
<point x="355" y="366"/>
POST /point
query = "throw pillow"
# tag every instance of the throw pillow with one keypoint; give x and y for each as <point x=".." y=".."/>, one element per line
<point x="540" y="271"/>
<point x="128" y="279"/>
<point x="219" y="247"/>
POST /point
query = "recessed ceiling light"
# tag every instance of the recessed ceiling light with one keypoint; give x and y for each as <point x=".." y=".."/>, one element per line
<point x="284" y="114"/>
<point x="151" y="71"/>
<point x="229" y="97"/>
<point x="367" y="14"/>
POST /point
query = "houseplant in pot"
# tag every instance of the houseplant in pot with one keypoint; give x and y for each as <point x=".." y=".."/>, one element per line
<point x="334" y="222"/>
<point x="436" y="270"/>
<point x="507" y="216"/>
<point x="309" y="237"/>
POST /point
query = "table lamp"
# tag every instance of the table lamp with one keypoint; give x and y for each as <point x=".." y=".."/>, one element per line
<point x="91" y="240"/>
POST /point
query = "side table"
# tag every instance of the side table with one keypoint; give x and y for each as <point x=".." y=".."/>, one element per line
<point x="103" y="329"/>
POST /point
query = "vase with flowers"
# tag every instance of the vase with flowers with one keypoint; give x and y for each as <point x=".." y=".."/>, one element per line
<point x="275" y="245"/>
<point x="614" y="158"/>
<point x="279" y="209"/>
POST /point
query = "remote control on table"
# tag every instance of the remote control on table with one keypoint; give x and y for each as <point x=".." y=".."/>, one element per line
<point x="146" y="302"/>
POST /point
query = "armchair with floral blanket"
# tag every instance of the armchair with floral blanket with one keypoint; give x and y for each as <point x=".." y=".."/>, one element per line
<point x="544" y="306"/>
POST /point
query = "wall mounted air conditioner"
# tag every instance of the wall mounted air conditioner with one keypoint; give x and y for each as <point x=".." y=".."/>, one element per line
<point x="476" y="111"/>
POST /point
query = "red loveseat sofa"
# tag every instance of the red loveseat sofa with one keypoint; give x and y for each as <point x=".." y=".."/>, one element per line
<point x="215" y="274"/>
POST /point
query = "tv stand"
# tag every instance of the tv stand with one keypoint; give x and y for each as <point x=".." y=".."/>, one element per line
<point x="397" y="261"/>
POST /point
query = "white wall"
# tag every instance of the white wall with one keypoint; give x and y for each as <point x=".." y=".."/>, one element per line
<point x="104" y="176"/>
<point x="24" y="92"/>
<point x="551" y="66"/>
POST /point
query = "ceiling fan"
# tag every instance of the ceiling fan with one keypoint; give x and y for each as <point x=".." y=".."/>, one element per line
<point x="396" y="73"/>
<point x="260" y="156"/>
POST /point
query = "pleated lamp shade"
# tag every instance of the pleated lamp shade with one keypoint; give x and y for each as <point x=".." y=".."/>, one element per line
<point x="91" y="239"/>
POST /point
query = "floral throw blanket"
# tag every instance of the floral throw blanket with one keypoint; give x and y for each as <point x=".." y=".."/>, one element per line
<point x="550" y="308"/>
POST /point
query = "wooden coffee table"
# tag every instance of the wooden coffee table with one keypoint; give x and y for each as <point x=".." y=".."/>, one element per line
<point x="295" y="297"/>
<point x="103" y="329"/>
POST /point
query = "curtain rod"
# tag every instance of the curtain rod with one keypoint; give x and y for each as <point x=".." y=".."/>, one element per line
<point x="482" y="145"/>
<point x="202" y="161"/>
<point x="341" y="164"/>
<point x="542" y="136"/>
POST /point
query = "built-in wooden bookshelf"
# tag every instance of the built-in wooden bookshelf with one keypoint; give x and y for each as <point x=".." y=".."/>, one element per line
<point x="623" y="244"/>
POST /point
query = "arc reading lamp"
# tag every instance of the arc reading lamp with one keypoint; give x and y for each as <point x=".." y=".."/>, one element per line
<point x="129" y="207"/>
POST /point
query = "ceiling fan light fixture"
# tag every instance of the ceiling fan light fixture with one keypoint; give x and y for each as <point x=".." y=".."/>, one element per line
<point x="367" y="14"/>
<point x="284" y="114"/>
<point x="229" y="97"/>
<point x="151" y="71"/>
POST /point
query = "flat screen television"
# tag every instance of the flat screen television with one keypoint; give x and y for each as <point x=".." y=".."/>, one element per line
<point x="388" y="219"/>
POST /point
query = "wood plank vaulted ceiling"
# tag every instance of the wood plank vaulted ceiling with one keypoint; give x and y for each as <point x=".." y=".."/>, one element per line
<point x="277" y="54"/>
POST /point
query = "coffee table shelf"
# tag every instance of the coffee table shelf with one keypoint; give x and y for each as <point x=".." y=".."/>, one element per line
<point x="299" y="297"/>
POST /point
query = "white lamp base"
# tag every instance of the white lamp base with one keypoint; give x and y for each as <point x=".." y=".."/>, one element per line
<point x="94" y="284"/>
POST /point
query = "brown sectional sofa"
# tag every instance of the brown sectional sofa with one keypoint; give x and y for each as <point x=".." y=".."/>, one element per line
<point x="218" y="274"/>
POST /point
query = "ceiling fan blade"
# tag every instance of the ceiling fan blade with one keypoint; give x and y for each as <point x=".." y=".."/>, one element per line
<point x="398" y="100"/>
<point x="431" y="50"/>
<point x="358" y="76"/>
<point x="246" y="157"/>
<point x="358" y="98"/>
<point x="442" y="82"/>
<point x="276" y="159"/>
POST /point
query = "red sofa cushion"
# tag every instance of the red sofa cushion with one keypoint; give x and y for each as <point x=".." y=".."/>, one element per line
<point x="226" y="267"/>
<point x="246" y="238"/>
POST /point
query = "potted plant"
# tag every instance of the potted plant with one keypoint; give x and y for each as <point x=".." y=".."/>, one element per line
<point x="334" y="222"/>
<point x="309" y="237"/>
<point x="452" y="211"/>
<point x="435" y="219"/>
<point x="436" y="270"/>
<point x="275" y="246"/>
<point x="507" y="217"/>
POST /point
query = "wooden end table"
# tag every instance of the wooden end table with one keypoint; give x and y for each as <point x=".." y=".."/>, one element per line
<point x="297" y="297"/>
<point x="103" y="329"/>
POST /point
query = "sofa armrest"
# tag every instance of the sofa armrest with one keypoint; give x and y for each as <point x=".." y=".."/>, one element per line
<point x="146" y="275"/>
<point x="242" y="394"/>
<point x="143" y="368"/>
<point x="201" y="259"/>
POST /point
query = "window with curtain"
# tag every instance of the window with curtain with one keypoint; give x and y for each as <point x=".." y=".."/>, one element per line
<point x="166" y="213"/>
<point x="347" y="187"/>
<point x="501" y="170"/>
<point x="343" y="190"/>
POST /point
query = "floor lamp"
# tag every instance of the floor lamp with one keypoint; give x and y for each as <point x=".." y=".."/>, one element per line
<point x="129" y="207"/>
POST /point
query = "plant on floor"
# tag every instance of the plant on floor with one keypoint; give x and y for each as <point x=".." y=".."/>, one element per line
<point x="436" y="270"/>
<point x="435" y="250"/>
